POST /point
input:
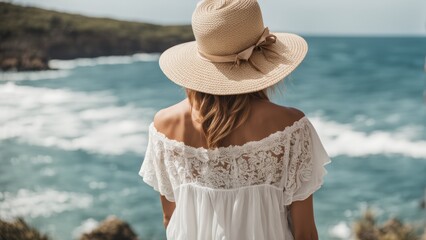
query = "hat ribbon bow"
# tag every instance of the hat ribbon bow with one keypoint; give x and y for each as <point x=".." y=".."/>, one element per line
<point x="264" y="43"/>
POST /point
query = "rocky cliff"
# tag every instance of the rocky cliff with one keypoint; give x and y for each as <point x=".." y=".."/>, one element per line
<point x="30" y="36"/>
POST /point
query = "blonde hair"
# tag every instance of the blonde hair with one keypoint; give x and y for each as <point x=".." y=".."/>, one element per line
<point x="221" y="114"/>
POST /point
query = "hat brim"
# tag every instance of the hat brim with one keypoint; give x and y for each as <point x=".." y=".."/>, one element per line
<point x="182" y="65"/>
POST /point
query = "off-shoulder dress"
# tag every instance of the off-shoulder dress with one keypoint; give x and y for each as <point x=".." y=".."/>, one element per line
<point x="239" y="191"/>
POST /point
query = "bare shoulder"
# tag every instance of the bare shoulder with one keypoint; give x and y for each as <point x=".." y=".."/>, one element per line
<point x="297" y="113"/>
<point x="277" y="114"/>
<point x="167" y="118"/>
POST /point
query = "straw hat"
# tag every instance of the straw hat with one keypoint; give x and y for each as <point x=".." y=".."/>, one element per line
<point x="233" y="52"/>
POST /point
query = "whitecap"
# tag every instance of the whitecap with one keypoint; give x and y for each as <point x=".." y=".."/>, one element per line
<point x="146" y="57"/>
<point x="86" y="226"/>
<point x="340" y="231"/>
<point x="97" y="185"/>
<point x="105" y="60"/>
<point x="95" y="122"/>
<point x="343" y="139"/>
<point x="33" y="75"/>
<point x="33" y="160"/>
<point x="28" y="203"/>
<point x="48" y="172"/>
<point x="72" y="120"/>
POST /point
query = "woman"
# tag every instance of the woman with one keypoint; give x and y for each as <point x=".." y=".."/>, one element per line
<point x="227" y="162"/>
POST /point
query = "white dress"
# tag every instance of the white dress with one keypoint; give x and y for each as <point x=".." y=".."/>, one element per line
<point x="239" y="191"/>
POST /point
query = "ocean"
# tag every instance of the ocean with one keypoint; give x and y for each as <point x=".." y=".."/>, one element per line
<point x="72" y="140"/>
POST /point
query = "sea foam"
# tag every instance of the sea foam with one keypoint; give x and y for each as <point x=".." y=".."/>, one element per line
<point x="86" y="226"/>
<point x="107" y="60"/>
<point x="62" y="67"/>
<point x="71" y="120"/>
<point x="33" y="75"/>
<point x="342" y="139"/>
<point x="44" y="203"/>
<point x="341" y="231"/>
<point x="95" y="122"/>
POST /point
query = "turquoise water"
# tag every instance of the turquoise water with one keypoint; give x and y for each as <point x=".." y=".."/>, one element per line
<point x="72" y="140"/>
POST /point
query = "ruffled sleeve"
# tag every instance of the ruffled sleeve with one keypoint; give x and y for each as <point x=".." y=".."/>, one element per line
<point x="153" y="170"/>
<point x="306" y="160"/>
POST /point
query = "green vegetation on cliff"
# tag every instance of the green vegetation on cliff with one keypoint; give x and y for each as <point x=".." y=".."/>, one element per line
<point x="30" y="36"/>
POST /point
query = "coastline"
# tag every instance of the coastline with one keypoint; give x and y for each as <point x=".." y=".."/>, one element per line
<point x="61" y="68"/>
<point x="42" y="35"/>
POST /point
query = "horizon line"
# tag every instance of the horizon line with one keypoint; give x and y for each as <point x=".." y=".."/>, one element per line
<point x="306" y="34"/>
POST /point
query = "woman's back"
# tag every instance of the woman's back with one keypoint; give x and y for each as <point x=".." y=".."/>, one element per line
<point x="240" y="190"/>
<point x="176" y="122"/>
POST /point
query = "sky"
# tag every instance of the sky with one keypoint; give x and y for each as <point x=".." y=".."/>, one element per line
<point x="317" y="17"/>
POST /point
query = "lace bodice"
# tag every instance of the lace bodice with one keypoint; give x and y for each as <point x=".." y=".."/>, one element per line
<point x="291" y="160"/>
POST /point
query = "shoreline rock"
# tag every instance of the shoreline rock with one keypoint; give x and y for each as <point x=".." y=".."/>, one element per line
<point x="19" y="230"/>
<point x="366" y="228"/>
<point x="111" y="228"/>
<point x="24" y="63"/>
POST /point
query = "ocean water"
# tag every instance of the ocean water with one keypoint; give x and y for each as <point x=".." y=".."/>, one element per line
<point x="72" y="140"/>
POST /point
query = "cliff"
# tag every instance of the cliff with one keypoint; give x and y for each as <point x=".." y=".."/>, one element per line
<point x="30" y="36"/>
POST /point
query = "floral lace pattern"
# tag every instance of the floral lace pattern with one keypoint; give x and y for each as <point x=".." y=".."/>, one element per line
<point x="283" y="159"/>
<point x="300" y="162"/>
<point x="153" y="169"/>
